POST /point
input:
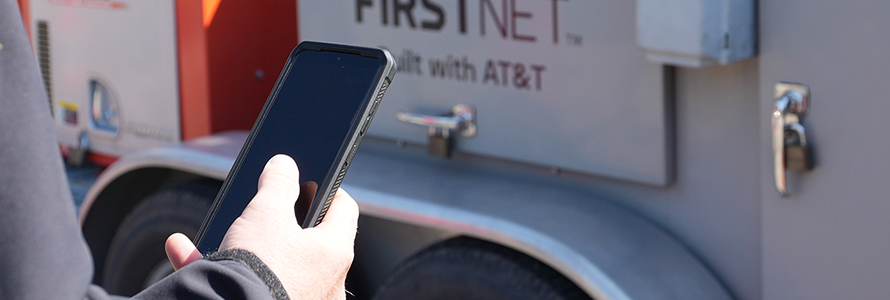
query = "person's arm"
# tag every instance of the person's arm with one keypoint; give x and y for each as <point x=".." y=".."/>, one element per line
<point x="44" y="256"/>
<point x="205" y="279"/>
<point x="42" y="252"/>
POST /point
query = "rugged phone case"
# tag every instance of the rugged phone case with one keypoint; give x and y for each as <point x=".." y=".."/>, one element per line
<point x="348" y="147"/>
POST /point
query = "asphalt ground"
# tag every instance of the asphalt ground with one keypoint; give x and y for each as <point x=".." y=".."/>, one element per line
<point x="80" y="179"/>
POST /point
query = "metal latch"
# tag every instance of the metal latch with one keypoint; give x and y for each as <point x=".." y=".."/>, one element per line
<point x="790" y="148"/>
<point x="462" y="120"/>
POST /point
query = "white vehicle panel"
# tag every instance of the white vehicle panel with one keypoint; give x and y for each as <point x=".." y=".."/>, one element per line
<point x="555" y="83"/>
<point x="130" y="47"/>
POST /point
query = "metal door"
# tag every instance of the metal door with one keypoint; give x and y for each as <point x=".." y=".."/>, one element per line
<point x="830" y="239"/>
<point x="573" y="91"/>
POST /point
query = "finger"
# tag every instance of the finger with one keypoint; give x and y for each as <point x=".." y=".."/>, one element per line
<point x="342" y="216"/>
<point x="181" y="251"/>
<point x="338" y="293"/>
<point x="278" y="185"/>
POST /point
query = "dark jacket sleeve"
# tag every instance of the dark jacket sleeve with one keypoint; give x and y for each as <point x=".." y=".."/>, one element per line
<point x="205" y="279"/>
<point x="202" y="279"/>
<point x="42" y="252"/>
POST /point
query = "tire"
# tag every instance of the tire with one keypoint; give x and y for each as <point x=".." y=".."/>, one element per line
<point x="136" y="256"/>
<point x="466" y="268"/>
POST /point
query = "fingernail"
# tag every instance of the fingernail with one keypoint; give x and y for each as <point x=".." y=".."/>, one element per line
<point x="281" y="159"/>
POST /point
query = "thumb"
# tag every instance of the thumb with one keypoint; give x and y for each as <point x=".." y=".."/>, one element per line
<point x="278" y="188"/>
<point x="181" y="251"/>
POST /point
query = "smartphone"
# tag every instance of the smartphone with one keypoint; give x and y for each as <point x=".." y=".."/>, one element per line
<point x="318" y="112"/>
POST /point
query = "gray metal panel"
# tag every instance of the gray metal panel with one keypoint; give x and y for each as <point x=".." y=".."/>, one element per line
<point x="598" y="107"/>
<point x="608" y="251"/>
<point x="713" y="206"/>
<point x="830" y="239"/>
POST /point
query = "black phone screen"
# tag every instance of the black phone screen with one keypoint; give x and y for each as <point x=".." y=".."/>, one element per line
<point x="309" y="120"/>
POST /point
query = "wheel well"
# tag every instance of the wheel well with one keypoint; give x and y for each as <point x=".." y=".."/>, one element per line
<point x="467" y="267"/>
<point x="117" y="199"/>
<point x="382" y="245"/>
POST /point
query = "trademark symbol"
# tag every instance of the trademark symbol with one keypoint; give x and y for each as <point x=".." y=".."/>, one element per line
<point x="573" y="39"/>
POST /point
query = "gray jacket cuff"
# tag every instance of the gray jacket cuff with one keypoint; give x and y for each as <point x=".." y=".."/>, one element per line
<point x="256" y="265"/>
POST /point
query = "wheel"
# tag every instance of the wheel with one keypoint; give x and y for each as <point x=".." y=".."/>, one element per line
<point x="466" y="268"/>
<point x="136" y="256"/>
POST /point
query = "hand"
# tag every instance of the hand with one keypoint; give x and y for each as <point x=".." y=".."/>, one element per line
<point x="310" y="263"/>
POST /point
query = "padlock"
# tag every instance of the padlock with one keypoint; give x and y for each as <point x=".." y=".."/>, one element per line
<point x="799" y="158"/>
<point x="440" y="145"/>
<point x="462" y="121"/>
<point x="78" y="152"/>
<point x="798" y="153"/>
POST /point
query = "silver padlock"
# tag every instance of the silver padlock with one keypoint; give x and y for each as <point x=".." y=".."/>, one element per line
<point x="798" y="153"/>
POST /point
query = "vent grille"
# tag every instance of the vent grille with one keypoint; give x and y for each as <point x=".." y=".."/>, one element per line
<point x="43" y="58"/>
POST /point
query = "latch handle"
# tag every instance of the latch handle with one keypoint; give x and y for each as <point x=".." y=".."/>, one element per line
<point x="462" y="119"/>
<point x="792" y="104"/>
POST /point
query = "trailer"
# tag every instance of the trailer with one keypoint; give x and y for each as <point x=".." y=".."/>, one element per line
<point x="546" y="149"/>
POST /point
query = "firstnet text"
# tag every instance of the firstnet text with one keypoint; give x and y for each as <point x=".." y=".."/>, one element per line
<point x="503" y="17"/>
